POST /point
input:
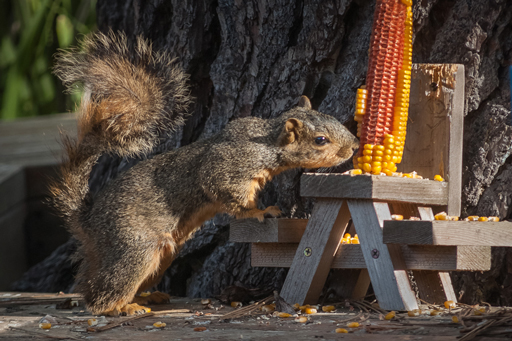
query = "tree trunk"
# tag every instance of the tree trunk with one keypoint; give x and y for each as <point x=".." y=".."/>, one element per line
<point x="257" y="57"/>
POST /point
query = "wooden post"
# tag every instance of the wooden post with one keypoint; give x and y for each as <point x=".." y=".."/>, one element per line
<point x="385" y="265"/>
<point x="316" y="251"/>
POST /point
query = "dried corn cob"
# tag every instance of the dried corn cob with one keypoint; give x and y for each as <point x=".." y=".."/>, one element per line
<point x="382" y="106"/>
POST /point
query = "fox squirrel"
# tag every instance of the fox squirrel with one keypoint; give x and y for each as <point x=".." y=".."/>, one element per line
<point x="130" y="232"/>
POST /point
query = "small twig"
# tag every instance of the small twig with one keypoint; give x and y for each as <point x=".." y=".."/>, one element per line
<point x="246" y="310"/>
<point x="118" y="323"/>
<point x="41" y="334"/>
<point x="480" y="329"/>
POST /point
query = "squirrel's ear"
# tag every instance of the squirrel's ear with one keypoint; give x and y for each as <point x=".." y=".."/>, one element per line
<point x="304" y="102"/>
<point x="290" y="131"/>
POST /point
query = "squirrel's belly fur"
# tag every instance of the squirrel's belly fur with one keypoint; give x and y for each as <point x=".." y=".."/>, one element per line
<point x="131" y="230"/>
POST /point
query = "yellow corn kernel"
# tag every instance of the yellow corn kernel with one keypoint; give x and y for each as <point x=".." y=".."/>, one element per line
<point x="302" y="319"/>
<point x="438" y="178"/>
<point x="354" y="240"/>
<point x="328" y="308"/>
<point x="341" y="331"/>
<point x="347" y="235"/>
<point x="367" y="167"/>
<point x="353" y="325"/>
<point x="368" y="146"/>
<point x="367" y="158"/>
<point x="449" y="304"/>
<point x="279" y="314"/>
<point x="390" y="315"/>
<point x="268" y="308"/>
<point x="407" y="175"/>
<point x="368" y="152"/>
<point x="452" y="218"/>
<point x="495" y="219"/>
<point x="441" y="216"/>
<point x="236" y="304"/>
<point x="413" y="313"/>
<point x="455" y="319"/>
<point x="377" y="153"/>
<point x="345" y="241"/>
<point x="304" y="307"/>
<point x="397" y="217"/>
<point x="379" y="147"/>
<point x="434" y="312"/>
<point x="145" y="294"/>
<point x="483" y="219"/>
<point x="360" y="166"/>
<point x="92" y="322"/>
<point x="310" y="311"/>
<point x="473" y="218"/>
<point x="159" y="324"/>
<point x="387" y="172"/>
<point x="376" y="170"/>
<point x="355" y="172"/>
<point x="45" y="325"/>
<point x="376" y="159"/>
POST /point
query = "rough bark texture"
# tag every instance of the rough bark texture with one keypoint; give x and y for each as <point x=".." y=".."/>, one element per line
<point x="257" y="57"/>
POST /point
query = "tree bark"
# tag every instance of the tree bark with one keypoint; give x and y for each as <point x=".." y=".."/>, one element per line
<point x="258" y="57"/>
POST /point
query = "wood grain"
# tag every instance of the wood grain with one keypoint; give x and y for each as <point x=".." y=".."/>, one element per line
<point x="271" y="230"/>
<point x="322" y="236"/>
<point x="435" y="127"/>
<point x="391" y="287"/>
<point x="12" y="187"/>
<point x="441" y="232"/>
<point x="375" y="187"/>
<point x="416" y="257"/>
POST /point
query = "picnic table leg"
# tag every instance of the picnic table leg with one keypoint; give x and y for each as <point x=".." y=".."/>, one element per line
<point x="316" y="251"/>
<point x="385" y="263"/>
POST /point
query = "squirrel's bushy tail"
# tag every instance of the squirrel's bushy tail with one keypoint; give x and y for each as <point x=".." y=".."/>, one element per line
<point x="132" y="94"/>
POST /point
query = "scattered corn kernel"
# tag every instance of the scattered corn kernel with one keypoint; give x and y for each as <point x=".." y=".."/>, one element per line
<point x="341" y="331"/>
<point x="304" y="307"/>
<point x="483" y="219"/>
<point x="92" y="322"/>
<point x="145" y="294"/>
<point x="472" y="218"/>
<point x="356" y="171"/>
<point x="413" y="313"/>
<point x="206" y="301"/>
<point x="268" y="308"/>
<point x="353" y="325"/>
<point x="236" y="304"/>
<point x="438" y="178"/>
<point x="302" y="319"/>
<point x="354" y="240"/>
<point x="493" y="219"/>
<point x="346" y="241"/>
<point x="390" y="315"/>
<point x="199" y="329"/>
<point x="449" y="304"/>
<point x="45" y="325"/>
<point x="328" y="308"/>
<point x="280" y="314"/>
<point x="159" y="324"/>
<point x="452" y="218"/>
<point x="397" y="217"/>
<point x="434" y="312"/>
<point x="455" y="319"/>
<point x="441" y="216"/>
<point x="347" y="235"/>
<point x="310" y="311"/>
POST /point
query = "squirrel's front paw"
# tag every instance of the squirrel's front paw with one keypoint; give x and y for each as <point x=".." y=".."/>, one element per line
<point x="274" y="211"/>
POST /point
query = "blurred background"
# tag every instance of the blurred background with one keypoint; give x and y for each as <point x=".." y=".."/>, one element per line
<point x="31" y="31"/>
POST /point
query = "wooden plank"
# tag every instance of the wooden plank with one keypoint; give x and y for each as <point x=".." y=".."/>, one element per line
<point x="434" y="131"/>
<point x="315" y="253"/>
<point x="392" y="288"/>
<point x="272" y="230"/>
<point x="416" y="257"/>
<point x="13" y="256"/>
<point x="441" y="232"/>
<point x="34" y="141"/>
<point x="384" y="188"/>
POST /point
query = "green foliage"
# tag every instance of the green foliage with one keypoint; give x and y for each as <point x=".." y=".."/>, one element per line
<point x="31" y="31"/>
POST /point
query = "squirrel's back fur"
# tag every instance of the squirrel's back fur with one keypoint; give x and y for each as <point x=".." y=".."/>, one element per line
<point x="131" y="230"/>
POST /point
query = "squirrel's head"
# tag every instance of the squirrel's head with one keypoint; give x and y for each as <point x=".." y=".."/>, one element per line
<point x="310" y="139"/>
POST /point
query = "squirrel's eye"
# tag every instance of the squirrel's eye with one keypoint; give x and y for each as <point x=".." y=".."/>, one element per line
<point x="321" y="140"/>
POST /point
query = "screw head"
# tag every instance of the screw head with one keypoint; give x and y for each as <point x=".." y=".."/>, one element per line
<point x="308" y="251"/>
<point x="375" y="253"/>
